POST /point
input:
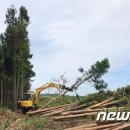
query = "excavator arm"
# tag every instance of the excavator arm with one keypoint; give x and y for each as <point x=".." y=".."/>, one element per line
<point x="30" y="103"/>
<point x="48" y="85"/>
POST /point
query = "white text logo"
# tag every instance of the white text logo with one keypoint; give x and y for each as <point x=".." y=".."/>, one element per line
<point x="112" y="116"/>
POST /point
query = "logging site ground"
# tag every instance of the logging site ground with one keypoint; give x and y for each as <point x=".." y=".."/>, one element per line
<point x="70" y="114"/>
<point x="65" y="65"/>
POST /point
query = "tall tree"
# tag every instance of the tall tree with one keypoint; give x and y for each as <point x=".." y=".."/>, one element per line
<point x="11" y="40"/>
<point x="1" y="71"/>
<point x="16" y="54"/>
<point x="24" y="51"/>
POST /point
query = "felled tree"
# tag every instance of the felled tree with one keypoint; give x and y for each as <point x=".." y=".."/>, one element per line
<point x="94" y="75"/>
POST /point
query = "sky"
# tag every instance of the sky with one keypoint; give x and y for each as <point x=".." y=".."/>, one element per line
<point x="68" y="34"/>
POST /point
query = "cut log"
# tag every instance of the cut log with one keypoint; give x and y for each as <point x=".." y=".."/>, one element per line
<point x="74" y="116"/>
<point x="59" y="111"/>
<point x="52" y="112"/>
<point x="108" y="128"/>
<point x="78" y="112"/>
<point x="89" y="110"/>
<point x="110" y="103"/>
<point x="99" y="104"/>
<point x="101" y="126"/>
<point x="55" y="112"/>
<point x="82" y="126"/>
<point x="94" y="127"/>
<point x="83" y="106"/>
<point x="83" y="113"/>
<point x="78" y="107"/>
<point x="50" y="109"/>
<point x="65" y="109"/>
<point x="122" y="127"/>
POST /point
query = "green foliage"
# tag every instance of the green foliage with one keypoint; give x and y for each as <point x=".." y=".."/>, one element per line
<point x="127" y="91"/>
<point x="11" y="120"/>
<point x="94" y="74"/>
<point x="99" y="68"/>
<point x="15" y="57"/>
<point x="97" y="71"/>
<point x="8" y="118"/>
<point x="61" y="101"/>
<point x="98" y="97"/>
<point x="23" y="17"/>
<point x="119" y="93"/>
<point x="122" y="92"/>
<point x="123" y="101"/>
<point x="36" y="122"/>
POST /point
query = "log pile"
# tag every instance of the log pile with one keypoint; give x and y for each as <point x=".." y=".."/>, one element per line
<point x="76" y="110"/>
<point x="112" y="126"/>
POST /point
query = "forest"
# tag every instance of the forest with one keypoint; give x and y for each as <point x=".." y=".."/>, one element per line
<point x="16" y="69"/>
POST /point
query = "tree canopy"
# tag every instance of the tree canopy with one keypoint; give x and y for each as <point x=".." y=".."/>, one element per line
<point x="94" y="74"/>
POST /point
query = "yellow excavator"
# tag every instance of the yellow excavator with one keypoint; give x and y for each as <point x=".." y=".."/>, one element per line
<point x="30" y="101"/>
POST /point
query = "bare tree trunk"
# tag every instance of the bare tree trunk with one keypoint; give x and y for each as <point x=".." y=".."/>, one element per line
<point x="14" y="91"/>
<point x="18" y="83"/>
<point x="1" y="84"/>
<point x="14" y="87"/>
<point x="18" y="87"/>
<point x="22" y="80"/>
<point x="5" y="96"/>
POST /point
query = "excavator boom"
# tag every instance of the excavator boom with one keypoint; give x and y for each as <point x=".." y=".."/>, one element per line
<point x="46" y="86"/>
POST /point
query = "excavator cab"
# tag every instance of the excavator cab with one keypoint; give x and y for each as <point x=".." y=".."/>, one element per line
<point x="27" y="102"/>
<point x="27" y="96"/>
